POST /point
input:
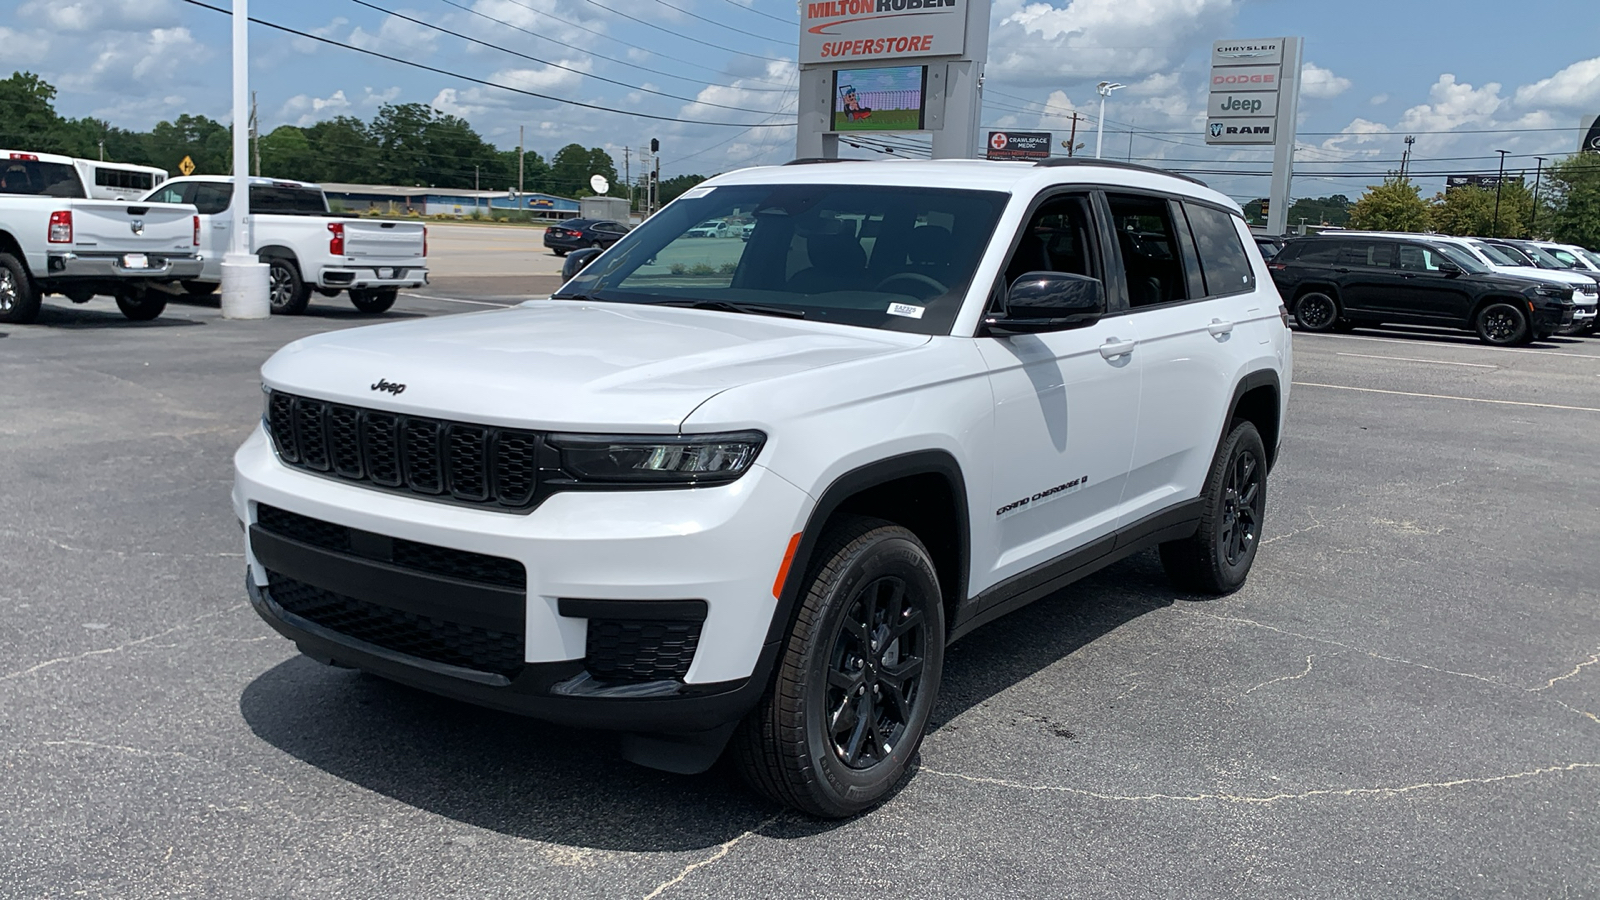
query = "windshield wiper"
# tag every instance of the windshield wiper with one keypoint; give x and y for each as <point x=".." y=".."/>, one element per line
<point x="571" y="297"/>
<point x="731" y="306"/>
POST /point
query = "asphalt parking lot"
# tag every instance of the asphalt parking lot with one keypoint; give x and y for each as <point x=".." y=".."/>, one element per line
<point x="1401" y="702"/>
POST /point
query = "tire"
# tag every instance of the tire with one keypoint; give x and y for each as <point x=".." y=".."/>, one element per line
<point x="1217" y="558"/>
<point x="19" y="301"/>
<point x="374" y="301"/>
<point x="791" y="749"/>
<point x="597" y="245"/>
<point x="1503" y="324"/>
<point x="199" y="288"/>
<point x="286" y="290"/>
<point x="1316" y="312"/>
<point x="141" y="304"/>
<point x="559" y="252"/>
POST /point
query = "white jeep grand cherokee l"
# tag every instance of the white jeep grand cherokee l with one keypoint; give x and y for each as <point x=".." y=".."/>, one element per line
<point x="751" y="490"/>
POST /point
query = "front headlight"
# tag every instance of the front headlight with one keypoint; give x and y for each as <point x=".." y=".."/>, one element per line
<point x="657" y="459"/>
<point x="1560" y="292"/>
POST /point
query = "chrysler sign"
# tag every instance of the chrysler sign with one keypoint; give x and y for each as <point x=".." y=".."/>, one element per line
<point x="854" y="30"/>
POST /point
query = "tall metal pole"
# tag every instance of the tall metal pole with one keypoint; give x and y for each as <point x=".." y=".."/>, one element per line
<point x="520" y="152"/>
<point x="1495" y="229"/>
<point x="1104" y="88"/>
<point x="1534" y="218"/>
<point x="1284" y="137"/>
<point x="244" y="278"/>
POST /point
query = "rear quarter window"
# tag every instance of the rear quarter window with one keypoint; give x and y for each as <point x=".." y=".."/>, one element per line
<point x="1324" y="253"/>
<point x="1222" y="256"/>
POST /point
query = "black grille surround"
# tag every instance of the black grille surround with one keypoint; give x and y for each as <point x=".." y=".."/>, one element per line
<point x="434" y="459"/>
<point x="634" y="652"/>
<point x="430" y="558"/>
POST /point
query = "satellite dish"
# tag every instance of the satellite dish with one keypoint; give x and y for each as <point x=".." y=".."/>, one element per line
<point x="599" y="184"/>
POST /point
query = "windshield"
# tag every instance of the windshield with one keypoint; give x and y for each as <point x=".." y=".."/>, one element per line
<point x="895" y="258"/>
<point x="43" y="179"/>
<point x="1462" y="258"/>
<point x="1567" y="260"/>
<point x="1499" y="256"/>
<point x="1593" y="257"/>
<point x="1542" y="258"/>
<point x="1521" y="258"/>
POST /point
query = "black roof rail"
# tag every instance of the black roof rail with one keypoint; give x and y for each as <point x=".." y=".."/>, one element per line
<point x="1059" y="161"/>
<point x="808" y="160"/>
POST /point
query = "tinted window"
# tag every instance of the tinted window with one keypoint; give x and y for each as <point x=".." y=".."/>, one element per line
<point x="286" y="199"/>
<point x="1321" y="252"/>
<point x="1148" y="240"/>
<point x="1367" y="253"/>
<point x="1501" y="256"/>
<point x="123" y="178"/>
<point x="172" y="193"/>
<point x="212" y="197"/>
<point x="42" y="179"/>
<point x="1222" y="257"/>
<point x="1057" y="239"/>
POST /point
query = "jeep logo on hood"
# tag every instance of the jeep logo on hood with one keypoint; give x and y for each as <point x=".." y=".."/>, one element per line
<point x="391" y="387"/>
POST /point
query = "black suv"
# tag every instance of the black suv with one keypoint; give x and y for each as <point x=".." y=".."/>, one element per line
<point x="1336" y="282"/>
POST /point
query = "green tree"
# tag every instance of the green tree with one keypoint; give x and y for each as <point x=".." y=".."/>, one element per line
<point x="287" y="153"/>
<point x="28" y="119"/>
<point x="1574" y="186"/>
<point x="1395" y="205"/>
<point x="672" y="188"/>
<point x="343" y="150"/>
<point x="1470" y="210"/>
<point x="572" y="167"/>
<point x="209" y="143"/>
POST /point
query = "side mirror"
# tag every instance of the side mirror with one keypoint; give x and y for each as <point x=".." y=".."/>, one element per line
<point x="1049" y="301"/>
<point x="577" y="260"/>
<point x="1446" y="267"/>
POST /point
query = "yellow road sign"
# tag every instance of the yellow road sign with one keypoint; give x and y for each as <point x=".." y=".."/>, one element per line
<point x="187" y="166"/>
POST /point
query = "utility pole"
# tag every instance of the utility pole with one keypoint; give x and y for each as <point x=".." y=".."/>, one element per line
<point x="520" y="152"/>
<point x="1495" y="229"/>
<point x="1072" y="141"/>
<point x="1534" y="219"/>
<point x="255" y="132"/>
<point x="102" y="151"/>
<point x="1405" y="158"/>
<point x="627" y="175"/>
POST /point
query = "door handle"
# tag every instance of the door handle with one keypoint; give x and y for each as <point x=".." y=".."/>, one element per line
<point x="1342" y="270"/>
<point x="1219" y="328"/>
<point x="1114" y="348"/>
<point x="1407" y="275"/>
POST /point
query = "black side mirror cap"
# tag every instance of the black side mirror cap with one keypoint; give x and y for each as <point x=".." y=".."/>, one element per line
<point x="577" y="260"/>
<point x="1449" y="268"/>
<point x="1049" y="301"/>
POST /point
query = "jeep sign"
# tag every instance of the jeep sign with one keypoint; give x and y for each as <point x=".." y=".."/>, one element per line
<point x="1230" y="103"/>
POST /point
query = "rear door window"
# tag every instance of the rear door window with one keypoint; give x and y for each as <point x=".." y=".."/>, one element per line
<point x="286" y="199"/>
<point x="1222" y="256"/>
<point x="212" y="197"/>
<point x="1321" y="253"/>
<point x="1148" y="240"/>
<point x="1371" y="254"/>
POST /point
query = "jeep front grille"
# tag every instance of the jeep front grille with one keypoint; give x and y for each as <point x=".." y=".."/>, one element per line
<point x="435" y="459"/>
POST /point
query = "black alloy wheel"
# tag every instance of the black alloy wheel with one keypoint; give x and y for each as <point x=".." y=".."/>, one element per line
<point x="19" y="302"/>
<point x="1502" y="324"/>
<point x="1216" y="559"/>
<point x="841" y="721"/>
<point x="1316" y="312"/>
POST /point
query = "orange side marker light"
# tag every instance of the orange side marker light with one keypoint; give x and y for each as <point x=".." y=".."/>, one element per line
<point x="783" y="568"/>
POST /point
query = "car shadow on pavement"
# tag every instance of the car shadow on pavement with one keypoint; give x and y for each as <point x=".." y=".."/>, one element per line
<point x="70" y="317"/>
<point x="329" y="310"/>
<point x="528" y="779"/>
<point x="1426" y="334"/>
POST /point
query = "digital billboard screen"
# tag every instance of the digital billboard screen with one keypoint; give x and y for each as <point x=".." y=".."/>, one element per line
<point x="889" y="98"/>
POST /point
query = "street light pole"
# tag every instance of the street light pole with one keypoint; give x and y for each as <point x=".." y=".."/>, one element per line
<point x="1500" y="182"/>
<point x="1104" y="88"/>
<point x="1534" y="218"/>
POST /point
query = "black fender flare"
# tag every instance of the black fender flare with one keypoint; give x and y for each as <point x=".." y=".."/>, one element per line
<point x="1258" y="379"/>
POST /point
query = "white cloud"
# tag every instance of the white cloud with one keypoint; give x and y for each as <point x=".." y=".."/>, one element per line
<point x="1575" y="87"/>
<point x="304" y="110"/>
<point x="1379" y="100"/>
<point x="23" y="50"/>
<point x="397" y="37"/>
<point x="95" y="15"/>
<point x="1100" y="38"/>
<point x="139" y="63"/>
<point x="1321" y="84"/>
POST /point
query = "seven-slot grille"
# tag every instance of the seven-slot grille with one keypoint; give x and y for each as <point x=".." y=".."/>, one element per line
<point x="436" y="459"/>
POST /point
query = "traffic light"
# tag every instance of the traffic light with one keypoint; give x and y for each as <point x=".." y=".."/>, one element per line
<point x="655" y="145"/>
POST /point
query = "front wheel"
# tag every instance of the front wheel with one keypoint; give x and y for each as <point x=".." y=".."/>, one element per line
<point x="1502" y="324"/>
<point x="845" y="714"/>
<point x="1218" y="557"/>
<point x="286" y="290"/>
<point x="374" y="301"/>
<point x="141" y="304"/>
<point x="19" y="302"/>
<point x="1316" y="312"/>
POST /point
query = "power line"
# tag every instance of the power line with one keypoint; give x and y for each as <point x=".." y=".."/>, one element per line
<point x="760" y="13"/>
<point x="620" y="62"/>
<point x="721" y="24"/>
<point x="504" y="87"/>
<point x="676" y="34"/>
<point x="547" y="62"/>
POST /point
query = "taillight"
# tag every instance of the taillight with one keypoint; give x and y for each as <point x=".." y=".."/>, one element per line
<point x="336" y="242"/>
<point x="424" y="240"/>
<point x="197" y="231"/>
<point x="1277" y="267"/>
<point x="61" y="226"/>
<point x="1283" y="313"/>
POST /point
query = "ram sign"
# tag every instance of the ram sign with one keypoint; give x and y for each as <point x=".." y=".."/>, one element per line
<point x="853" y="30"/>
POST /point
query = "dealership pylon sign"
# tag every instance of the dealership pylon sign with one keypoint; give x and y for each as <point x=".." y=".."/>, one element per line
<point x="1254" y="98"/>
<point x="891" y="65"/>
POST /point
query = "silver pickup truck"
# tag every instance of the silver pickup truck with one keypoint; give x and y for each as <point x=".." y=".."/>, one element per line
<point x="55" y="241"/>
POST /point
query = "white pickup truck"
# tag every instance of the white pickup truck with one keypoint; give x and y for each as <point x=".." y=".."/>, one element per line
<point x="55" y="241"/>
<point x="307" y="247"/>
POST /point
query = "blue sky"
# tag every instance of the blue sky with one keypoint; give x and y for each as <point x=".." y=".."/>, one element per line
<point x="1466" y="77"/>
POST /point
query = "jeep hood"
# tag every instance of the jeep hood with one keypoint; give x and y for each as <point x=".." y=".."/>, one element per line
<point x="561" y="364"/>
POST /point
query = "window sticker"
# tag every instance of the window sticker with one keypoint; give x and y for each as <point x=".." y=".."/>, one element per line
<point x="907" y="310"/>
<point x="695" y="193"/>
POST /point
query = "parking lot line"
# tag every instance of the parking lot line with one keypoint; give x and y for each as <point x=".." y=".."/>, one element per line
<point x="1437" y="362"/>
<point x="1345" y="387"/>
<point x="1356" y="337"/>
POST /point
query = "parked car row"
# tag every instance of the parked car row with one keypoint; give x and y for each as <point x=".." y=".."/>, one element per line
<point x="1497" y="288"/>
<point x="55" y="240"/>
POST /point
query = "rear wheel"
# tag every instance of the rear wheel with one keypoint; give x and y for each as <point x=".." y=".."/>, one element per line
<point x="1316" y="312"/>
<point x="19" y="302"/>
<point x="1502" y="324"/>
<point x="374" y="301"/>
<point x="286" y="290"/>
<point x="1217" y="558"/>
<point x="141" y="304"/>
<point x="845" y="714"/>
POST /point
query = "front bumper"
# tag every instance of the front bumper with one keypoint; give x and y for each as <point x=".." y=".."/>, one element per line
<point x="372" y="277"/>
<point x="81" y="266"/>
<point x="720" y="546"/>
<point x="1582" y="318"/>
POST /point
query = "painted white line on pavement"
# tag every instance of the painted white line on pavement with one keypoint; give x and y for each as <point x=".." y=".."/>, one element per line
<point x="1356" y="337"/>
<point x="457" y="300"/>
<point x="1437" y="362"/>
<point x="1345" y="387"/>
